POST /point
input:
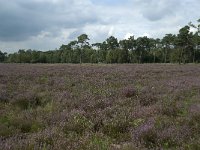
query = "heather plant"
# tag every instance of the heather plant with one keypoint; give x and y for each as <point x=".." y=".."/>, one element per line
<point x="13" y="124"/>
<point x="68" y="106"/>
<point x="146" y="134"/>
<point x="129" y="92"/>
<point x="97" y="141"/>
<point x="147" y="99"/>
<point x="194" y="118"/>
<point x="118" y="130"/>
<point x="170" y="108"/>
<point x="77" y="123"/>
<point x="147" y="96"/>
<point x="29" y="100"/>
<point x="6" y="131"/>
<point x="3" y="96"/>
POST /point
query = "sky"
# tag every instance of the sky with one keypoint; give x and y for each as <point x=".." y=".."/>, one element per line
<point x="47" y="24"/>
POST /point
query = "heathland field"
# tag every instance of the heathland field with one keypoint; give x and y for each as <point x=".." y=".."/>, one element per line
<point x="127" y="106"/>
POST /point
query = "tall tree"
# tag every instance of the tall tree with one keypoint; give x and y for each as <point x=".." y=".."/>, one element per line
<point x="168" y="43"/>
<point x="99" y="53"/>
<point x="112" y="45"/>
<point x="3" y="56"/>
<point x="196" y="38"/>
<point x="124" y="51"/>
<point x="82" y="43"/>
<point x="142" y="46"/>
<point x="184" y="43"/>
<point x="131" y="48"/>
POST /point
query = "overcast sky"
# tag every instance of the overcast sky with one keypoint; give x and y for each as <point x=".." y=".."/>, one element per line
<point x="46" y="24"/>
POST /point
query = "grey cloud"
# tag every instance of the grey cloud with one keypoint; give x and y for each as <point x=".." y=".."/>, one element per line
<point x="23" y="19"/>
<point x="154" y="10"/>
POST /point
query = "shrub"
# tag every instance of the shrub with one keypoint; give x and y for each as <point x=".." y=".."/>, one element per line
<point x="194" y="144"/>
<point x="147" y="96"/>
<point x="167" y="137"/>
<point x="78" y="124"/>
<point x="45" y="141"/>
<point x="6" y="131"/>
<point x="170" y="108"/>
<point x="149" y="138"/>
<point x="29" y="101"/>
<point x="4" y="97"/>
<point x="129" y="92"/>
<point x="117" y="129"/>
<point x="22" y="103"/>
<point x="147" y="99"/>
<point x="25" y="125"/>
<point x="146" y="134"/>
<point x="97" y="141"/>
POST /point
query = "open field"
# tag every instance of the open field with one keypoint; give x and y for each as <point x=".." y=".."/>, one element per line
<point x="65" y="106"/>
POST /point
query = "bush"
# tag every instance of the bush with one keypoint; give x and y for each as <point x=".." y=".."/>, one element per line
<point x="147" y="99"/>
<point x="78" y="124"/>
<point x="146" y="134"/>
<point x="6" y="131"/>
<point x="4" y="97"/>
<point x="25" y="125"/>
<point x="117" y="128"/>
<point x="149" y="138"/>
<point x="97" y="141"/>
<point x="170" y="108"/>
<point x="29" y="101"/>
<point x="129" y="92"/>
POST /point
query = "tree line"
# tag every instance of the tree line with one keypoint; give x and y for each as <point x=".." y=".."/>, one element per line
<point x="183" y="47"/>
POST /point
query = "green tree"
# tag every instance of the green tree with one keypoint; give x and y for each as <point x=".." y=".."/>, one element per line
<point x="168" y="44"/>
<point x="112" y="56"/>
<point x="142" y="46"/>
<point x="196" y="39"/>
<point x="81" y="44"/>
<point x="42" y="58"/>
<point x="156" y="50"/>
<point x="132" y="47"/>
<point x="124" y="51"/>
<point x="35" y="56"/>
<point x="185" y="45"/>
<point x="3" y="56"/>
<point x="100" y="51"/>
<point x="103" y="51"/>
<point x="113" y="50"/>
<point x="112" y="43"/>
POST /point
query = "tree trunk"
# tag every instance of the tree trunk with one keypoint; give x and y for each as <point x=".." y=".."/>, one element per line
<point x="140" y="59"/>
<point x="181" y="59"/>
<point x="165" y="55"/>
<point x="80" y="56"/>
<point x="194" y="55"/>
<point x="179" y="56"/>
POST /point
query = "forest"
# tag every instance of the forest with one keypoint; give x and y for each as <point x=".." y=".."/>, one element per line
<point x="183" y="47"/>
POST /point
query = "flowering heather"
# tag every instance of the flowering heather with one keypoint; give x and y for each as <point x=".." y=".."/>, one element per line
<point x="127" y="106"/>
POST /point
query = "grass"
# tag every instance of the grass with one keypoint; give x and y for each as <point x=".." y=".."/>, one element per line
<point x="128" y="106"/>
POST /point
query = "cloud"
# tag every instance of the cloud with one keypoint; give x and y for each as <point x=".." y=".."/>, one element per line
<point x="109" y="2"/>
<point x="46" y="24"/>
<point x="154" y="10"/>
<point x="23" y="19"/>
